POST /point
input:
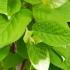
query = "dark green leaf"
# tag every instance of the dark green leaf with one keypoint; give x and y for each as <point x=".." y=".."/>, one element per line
<point x="11" y="60"/>
<point x="4" y="52"/>
<point x="22" y="49"/>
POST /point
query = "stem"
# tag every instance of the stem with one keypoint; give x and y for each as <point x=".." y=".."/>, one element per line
<point x="21" y="66"/>
<point x="13" y="48"/>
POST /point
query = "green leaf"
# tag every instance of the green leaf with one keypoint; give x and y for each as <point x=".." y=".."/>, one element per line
<point x="9" y="7"/>
<point x="27" y="36"/>
<point x="52" y="33"/>
<point x="3" y="6"/>
<point x="56" y="59"/>
<point x="3" y="52"/>
<point x="52" y="3"/>
<point x="33" y="1"/>
<point x="22" y="49"/>
<point x="11" y="60"/>
<point x="53" y="67"/>
<point x="11" y="30"/>
<point x="13" y="7"/>
<point x="65" y="53"/>
<point x="64" y="11"/>
<point x="39" y="56"/>
<point x="57" y="3"/>
<point x="61" y="14"/>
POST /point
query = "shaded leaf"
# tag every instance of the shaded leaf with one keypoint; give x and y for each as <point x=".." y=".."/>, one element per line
<point x="11" y="60"/>
<point x="4" y="52"/>
<point x="22" y="49"/>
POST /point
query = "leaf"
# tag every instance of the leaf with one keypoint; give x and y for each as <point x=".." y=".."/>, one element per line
<point x="39" y="56"/>
<point x="9" y="7"/>
<point x="22" y="49"/>
<point x="13" y="6"/>
<point x="64" y="10"/>
<point x="53" y="67"/>
<point x="52" y="3"/>
<point x="3" y="6"/>
<point x="60" y="14"/>
<point x="27" y="36"/>
<point x="13" y="29"/>
<point x="56" y="59"/>
<point x="65" y="53"/>
<point x="3" y="52"/>
<point x="33" y="1"/>
<point x="58" y="3"/>
<point x="52" y="33"/>
<point x="40" y="12"/>
<point x="11" y="60"/>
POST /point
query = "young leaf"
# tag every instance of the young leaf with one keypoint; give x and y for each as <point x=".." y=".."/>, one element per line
<point x="39" y="56"/>
<point x="14" y="28"/>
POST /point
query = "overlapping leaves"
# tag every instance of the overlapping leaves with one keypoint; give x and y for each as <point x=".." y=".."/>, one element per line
<point x="39" y="56"/>
<point x="51" y="28"/>
<point x="44" y="13"/>
<point x="50" y="3"/>
<point x="47" y="43"/>
<point x="52" y="33"/>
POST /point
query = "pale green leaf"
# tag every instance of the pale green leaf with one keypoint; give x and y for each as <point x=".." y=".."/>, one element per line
<point x="33" y="1"/>
<point x="44" y="13"/>
<point x="65" y="53"/>
<point x="57" y="3"/>
<point x="65" y="11"/>
<point x="52" y="3"/>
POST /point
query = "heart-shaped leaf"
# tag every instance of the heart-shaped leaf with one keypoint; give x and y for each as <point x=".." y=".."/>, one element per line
<point x="39" y="56"/>
<point x="11" y="30"/>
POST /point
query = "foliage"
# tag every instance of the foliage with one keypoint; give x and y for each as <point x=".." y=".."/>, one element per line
<point x="35" y="34"/>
